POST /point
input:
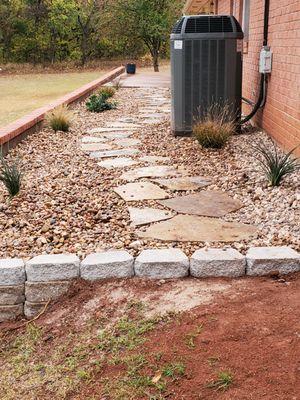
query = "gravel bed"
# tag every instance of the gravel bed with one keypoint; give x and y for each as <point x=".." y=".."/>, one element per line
<point x="67" y="202"/>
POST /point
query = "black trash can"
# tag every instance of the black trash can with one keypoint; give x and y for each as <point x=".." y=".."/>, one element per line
<point x="131" y="68"/>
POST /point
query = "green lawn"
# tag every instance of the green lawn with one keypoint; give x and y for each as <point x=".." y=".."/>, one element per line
<point x="21" y="94"/>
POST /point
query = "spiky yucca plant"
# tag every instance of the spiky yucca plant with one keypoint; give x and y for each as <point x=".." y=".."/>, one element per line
<point x="10" y="176"/>
<point x="60" y="119"/>
<point x="275" y="164"/>
<point x="215" y="127"/>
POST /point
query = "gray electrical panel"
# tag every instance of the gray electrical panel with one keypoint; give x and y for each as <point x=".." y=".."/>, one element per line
<point x="206" y="68"/>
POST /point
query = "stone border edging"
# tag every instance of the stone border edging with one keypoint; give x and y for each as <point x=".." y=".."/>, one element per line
<point x="13" y="133"/>
<point x="25" y="287"/>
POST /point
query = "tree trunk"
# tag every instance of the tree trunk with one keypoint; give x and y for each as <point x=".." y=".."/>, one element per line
<point x="155" y="62"/>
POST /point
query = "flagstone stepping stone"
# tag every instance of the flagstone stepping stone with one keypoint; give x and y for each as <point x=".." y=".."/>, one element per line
<point x="95" y="146"/>
<point x="117" y="163"/>
<point x="152" y="121"/>
<point x="111" y="129"/>
<point x="152" y="115"/>
<point x="149" y="172"/>
<point x="93" y="139"/>
<point x="190" y="228"/>
<point x="123" y="125"/>
<point x="116" y="135"/>
<point x="127" y="142"/>
<point x="206" y="203"/>
<point x="140" y="191"/>
<point x="184" y="183"/>
<point x="113" y="153"/>
<point x="143" y="216"/>
<point x="154" y="159"/>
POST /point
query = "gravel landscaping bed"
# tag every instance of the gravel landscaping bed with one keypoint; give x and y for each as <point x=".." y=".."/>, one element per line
<point x="67" y="202"/>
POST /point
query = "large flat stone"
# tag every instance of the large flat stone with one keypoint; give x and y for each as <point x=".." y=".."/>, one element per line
<point x="190" y="228"/>
<point x="184" y="183"/>
<point x="52" y="267"/>
<point x="149" y="172"/>
<point x="143" y="216"/>
<point x="121" y="162"/>
<point x="10" y="295"/>
<point x="162" y="264"/>
<point x="111" y="129"/>
<point x="10" y="312"/>
<point x="39" y="292"/>
<point x="205" y="203"/>
<point x="127" y="142"/>
<point x="140" y="191"/>
<point x="95" y="146"/>
<point x="124" y="125"/>
<point x="154" y="159"/>
<point x="115" y="135"/>
<point x="217" y="262"/>
<point x="12" y="271"/>
<point x="267" y="260"/>
<point x="110" y="264"/>
<point x="114" y="153"/>
<point x="93" y="139"/>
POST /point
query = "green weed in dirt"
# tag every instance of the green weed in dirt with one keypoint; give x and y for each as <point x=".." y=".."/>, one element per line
<point x="223" y="381"/>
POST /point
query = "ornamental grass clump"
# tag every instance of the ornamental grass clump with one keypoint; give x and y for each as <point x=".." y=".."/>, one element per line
<point x="107" y="91"/>
<point x="60" y="119"/>
<point x="215" y="127"/>
<point x="10" y="176"/>
<point x="274" y="163"/>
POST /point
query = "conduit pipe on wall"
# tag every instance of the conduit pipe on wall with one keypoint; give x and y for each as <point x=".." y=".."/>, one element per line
<point x="264" y="77"/>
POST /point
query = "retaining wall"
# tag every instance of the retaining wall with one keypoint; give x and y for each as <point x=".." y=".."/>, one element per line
<point x="26" y="287"/>
<point x="12" y="134"/>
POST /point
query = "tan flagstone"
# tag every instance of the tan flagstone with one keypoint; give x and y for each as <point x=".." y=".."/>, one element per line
<point x="146" y="172"/>
<point x="95" y="146"/>
<point x="184" y="183"/>
<point x="93" y="139"/>
<point x="154" y="159"/>
<point x="121" y="162"/>
<point x="140" y="191"/>
<point x="143" y="216"/>
<point x="113" y="153"/>
<point x="127" y="142"/>
<point x="190" y="228"/>
<point x="205" y="203"/>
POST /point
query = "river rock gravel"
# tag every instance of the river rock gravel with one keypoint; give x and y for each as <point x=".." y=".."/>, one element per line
<point x="67" y="203"/>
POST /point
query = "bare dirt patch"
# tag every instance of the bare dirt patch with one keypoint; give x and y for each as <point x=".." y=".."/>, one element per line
<point x="125" y="340"/>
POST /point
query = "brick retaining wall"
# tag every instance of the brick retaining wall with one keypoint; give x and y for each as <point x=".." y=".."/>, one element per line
<point x="12" y="134"/>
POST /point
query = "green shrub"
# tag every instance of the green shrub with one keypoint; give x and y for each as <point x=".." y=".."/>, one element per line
<point x="99" y="103"/>
<point x="107" y="91"/>
<point x="10" y="176"/>
<point x="60" y="119"/>
<point x="275" y="163"/>
<point x="215" y="127"/>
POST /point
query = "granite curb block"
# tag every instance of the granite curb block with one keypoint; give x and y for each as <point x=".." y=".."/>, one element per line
<point x="110" y="264"/>
<point x="162" y="264"/>
<point x="26" y="288"/>
<point x="217" y="263"/>
<point x="267" y="260"/>
<point x="53" y="267"/>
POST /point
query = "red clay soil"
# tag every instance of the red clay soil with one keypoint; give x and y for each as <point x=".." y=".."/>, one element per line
<point x="251" y="330"/>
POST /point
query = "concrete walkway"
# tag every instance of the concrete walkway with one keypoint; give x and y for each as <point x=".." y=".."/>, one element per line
<point x="146" y="78"/>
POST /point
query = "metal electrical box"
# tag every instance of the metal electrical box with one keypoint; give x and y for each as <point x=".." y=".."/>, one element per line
<point x="206" y="68"/>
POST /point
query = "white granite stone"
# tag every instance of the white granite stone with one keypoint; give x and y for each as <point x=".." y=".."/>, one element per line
<point x="109" y="264"/>
<point x="217" y="262"/>
<point x="162" y="264"/>
<point x="267" y="260"/>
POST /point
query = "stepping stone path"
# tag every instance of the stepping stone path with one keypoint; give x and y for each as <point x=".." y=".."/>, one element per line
<point x="185" y="218"/>
<point x="140" y="191"/>
<point x="189" y="228"/>
<point x="184" y="183"/>
<point x="95" y="146"/>
<point x="206" y="203"/>
<point x="144" y="216"/>
<point x="113" y="153"/>
<point x="146" y="172"/>
<point x="117" y="163"/>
